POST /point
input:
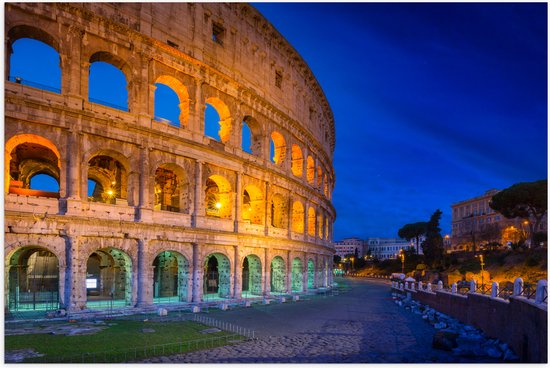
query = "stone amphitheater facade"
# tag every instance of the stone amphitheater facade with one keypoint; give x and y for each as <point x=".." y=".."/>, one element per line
<point x="174" y="214"/>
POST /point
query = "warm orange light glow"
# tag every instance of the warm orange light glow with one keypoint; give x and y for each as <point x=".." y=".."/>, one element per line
<point x="218" y="205"/>
<point x="110" y="192"/>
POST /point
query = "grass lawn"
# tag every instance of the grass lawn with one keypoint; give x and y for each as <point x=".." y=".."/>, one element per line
<point x="124" y="339"/>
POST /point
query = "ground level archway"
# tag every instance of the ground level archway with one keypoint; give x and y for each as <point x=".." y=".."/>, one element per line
<point x="32" y="280"/>
<point x="170" y="277"/>
<point x="310" y="274"/>
<point x="252" y="276"/>
<point x="278" y="275"/>
<point x="297" y="275"/>
<point x="217" y="277"/>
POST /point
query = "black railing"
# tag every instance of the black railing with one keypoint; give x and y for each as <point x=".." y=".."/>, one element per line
<point x="30" y="83"/>
<point x="108" y="104"/>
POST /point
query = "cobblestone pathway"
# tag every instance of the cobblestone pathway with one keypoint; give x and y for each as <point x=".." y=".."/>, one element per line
<point x="360" y="326"/>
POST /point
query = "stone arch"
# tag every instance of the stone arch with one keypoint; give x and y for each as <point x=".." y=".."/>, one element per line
<point x="297" y="158"/>
<point x="310" y="170"/>
<point x="171" y="188"/>
<point x="118" y="63"/>
<point x="311" y="273"/>
<point x="183" y="96"/>
<point x="217" y="276"/>
<point x="256" y="134"/>
<point x="225" y="117"/>
<point x="278" y="148"/>
<point x="26" y="155"/>
<point x="311" y="221"/>
<point x="326" y="228"/>
<point x="218" y="197"/>
<point x="298" y="217"/>
<point x="108" y="278"/>
<point x="32" y="278"/>
<point x="170" y="277"/>
<point x="325" y="189"/>
<point x="278" y="211"/>
<point x="320" y="223"/>
<point x="319" y="176"/>
<point x="109" y="170"/>
<point x="253" y="205"/>
<point x="278" y="275"/>
<point x="297" y="274"/>
<point x="26" y="31"/>
<point x="251" y="276"/>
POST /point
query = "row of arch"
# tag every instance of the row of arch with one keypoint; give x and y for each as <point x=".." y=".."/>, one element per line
<point x="30" y="156"/>
<point x="33" y="275"/>
<point x="218" y="122"/>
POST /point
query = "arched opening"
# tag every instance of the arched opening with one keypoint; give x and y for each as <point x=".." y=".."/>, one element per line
<point x="277" y="148"/>
<point x="253" y="205"/>
<point x="171" y="101"/>
<point x="278" y="276"/>
<point x="297" y="164"/>
<point x="33" y="280"/>
<point x="166" y="105"/>
<point x="298" y="217"/>
<point x="310" y="274"/>
<point x="319" y="176"/>
<point x="36" y="64"/>
<point x="217" y="120"/>
<point x="311" y="221"/>
<point x="108" y="178"/>
<point x="297" y="275"/>
<point x="170" y="277"/>
<point x="251" y="136"/>
<point x="217" y="277"/>
<point x="320" y="228"/>
<point x="310" y="171"/>
<point x="251" y="277"/>
<point x="107" y="83"/>
<point x="171" y="189"/>
<point x="108" y="279"/>
<point x="218" y="197"/>
<point x="326" y="228"/>
<point x="278" y="211"/>
<point x="33" y="167"/>
<point x="326" y="186"/>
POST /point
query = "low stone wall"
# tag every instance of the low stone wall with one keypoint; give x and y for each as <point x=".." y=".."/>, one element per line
<point x="520" y="322"/>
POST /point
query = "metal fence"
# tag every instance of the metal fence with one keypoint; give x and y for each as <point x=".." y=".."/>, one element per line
<point x="29" y="83"/>
<point x="139" y="353"/>
<point x="226" y="326"/>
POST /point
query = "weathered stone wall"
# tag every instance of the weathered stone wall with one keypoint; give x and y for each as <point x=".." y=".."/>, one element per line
<point x="519" y="322"/>
<point x="172" y="44"/>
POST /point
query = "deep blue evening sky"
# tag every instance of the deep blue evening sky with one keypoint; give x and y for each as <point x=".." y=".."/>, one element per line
<point x="433" y="103"/>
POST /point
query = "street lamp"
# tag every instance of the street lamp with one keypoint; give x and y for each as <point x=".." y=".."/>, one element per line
<point x="402" y="255"/>
<point x="482" y="264"/>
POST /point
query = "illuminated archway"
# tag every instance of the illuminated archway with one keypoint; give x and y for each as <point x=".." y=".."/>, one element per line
<point x="107" y="179"/>
<point x="108" y="278"/>
<point x="108" y="80"/>
<point x="181" y="116"/>
<point x="170" y="278"/>
<point x="278" y="275"/>
<point x="171" y="189"/>
<point x="224" y="122"/>
<point x="253" y="205"/>
<point x="297" y="275"/>
<point x="277" y="148"/>
<point x="298" y="217"/>
<point x="311" y="221"/>
<point x="310" y="170"/>
<point x="251" y="136"/>
<point x="217" y="277"/>
<point x="251" y="276"/>
<point x="218" y="197"/>
<point x="32" y="280"/>
<point x="297" y="164"/>
<point x="310" y="274"/>
<point x="278" y="211"/>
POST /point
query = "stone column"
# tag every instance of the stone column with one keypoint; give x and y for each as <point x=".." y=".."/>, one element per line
<point x="75" y="276"/>
<point x="267" y="215"/>
<point x="197" y="274"/>
<point x="289" y="273"/>
<point x="304" y="273"/>
<point x="316" y="272"/>
<point x="289" y="215"/>
<point x="73" y="172"/>
<point x="238" y="201"/>
<point x="198" y="201"/>
<point x="145" y="272"/>
<point x="267" y="273"/>
<point x="145" y="185"/>
<point x="238" y="275"/>
<point x="71" y="73"/>
<point x="84" y="79"/>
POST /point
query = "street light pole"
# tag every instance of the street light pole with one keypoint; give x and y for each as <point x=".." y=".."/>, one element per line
<point x="402" y="254"/>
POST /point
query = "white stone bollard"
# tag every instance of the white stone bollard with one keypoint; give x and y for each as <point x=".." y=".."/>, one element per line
<point x="401" y="285"/>
<point x="473" y="286"/>
<point x="429" y="287"/>
<point x="518" y="287"/>
<point x="266" y="301"/>
<point x="223" y="306"/>
<point x="419" y="285"/>
<point x="542" y="291"/>
<point x="296" y="298"/>
<point x="453" y="288"/>
<point x="162" y="312"/>
<point x="247" y="304"/>
<point x="412" y="285"/>
<point x="494" y="289"/>
<point x="196" y="309"/>
<point x="440" y="285"/>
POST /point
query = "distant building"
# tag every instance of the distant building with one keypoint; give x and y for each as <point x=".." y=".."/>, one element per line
<point x="348" y="246"/>
<point x="387" y="248"/>
<point x="474" y="224"/>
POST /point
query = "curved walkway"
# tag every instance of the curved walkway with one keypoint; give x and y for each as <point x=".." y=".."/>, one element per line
<point x="362" y="325"/>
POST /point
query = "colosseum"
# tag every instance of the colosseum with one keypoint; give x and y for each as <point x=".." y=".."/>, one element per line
<point x="148" y="210"/>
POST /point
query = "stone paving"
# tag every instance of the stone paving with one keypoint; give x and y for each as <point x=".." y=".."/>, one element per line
<point x="362" y="325"/>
